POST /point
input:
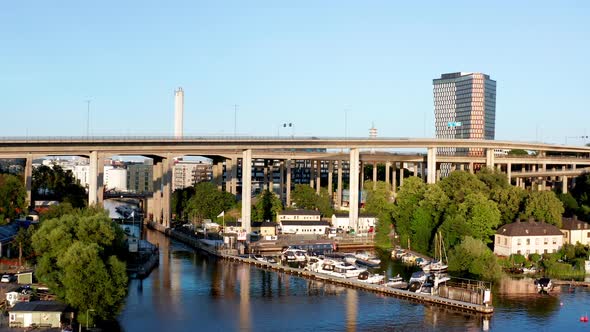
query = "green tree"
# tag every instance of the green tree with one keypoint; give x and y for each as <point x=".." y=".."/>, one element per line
<point x="23" y="239"/>
<point x="304" y="197"/>
<point x="544" y="206"/>
<point x="208" y="201"/>
<point x="473" y="258"/>
<point x="378" y="202"/>
<point x="12" y="197"/>
<point x="267" y="206"/>
<point x="493" y="178"/>
<point x="569" y="203"/>
<point x="477" y="217"/>
<point x="509" y="201"/>
<point x="324" y="203"/>
<point x="180" y="202"/>
<point x="79" y="259"/>
<point x="54" y="183"/>
<point x="460" y="184"/>
<point x="408" y="198"/>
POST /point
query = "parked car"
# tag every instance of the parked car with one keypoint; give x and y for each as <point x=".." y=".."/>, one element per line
<point x="7" y="278"/>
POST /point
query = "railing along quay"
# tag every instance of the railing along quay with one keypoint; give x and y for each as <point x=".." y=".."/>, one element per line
<point x="231" y="255"/>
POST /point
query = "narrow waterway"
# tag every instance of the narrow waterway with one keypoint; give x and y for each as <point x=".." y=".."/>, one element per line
<point x="191" y="291"/>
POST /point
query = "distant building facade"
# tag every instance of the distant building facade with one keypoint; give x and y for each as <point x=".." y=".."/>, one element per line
<point x="365" y="221"/>
<point x="115" y="178"/>
<point x="299" y="215"/>
<point x="140" y="177"/>
<point x="188" y="173"/>
<point x="527" y="237"/>
<point x="464" y="107"/>
<point x="304" y="227"/>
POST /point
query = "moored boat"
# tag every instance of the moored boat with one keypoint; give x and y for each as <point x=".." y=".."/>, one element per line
<point x="543" y="285"/>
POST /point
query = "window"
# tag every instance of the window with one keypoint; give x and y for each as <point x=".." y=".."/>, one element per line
<point x="545" y="240"/>
<point x="546" y="251"/>
<point x="518" y="252"/>
<point x="528" y="241"/>
<point x="588" y="234"/>
<point x="505" y="241"/>
<point x="537" y="241"/>
<point x="518" y="242"/>
<point x="554" y="240"/>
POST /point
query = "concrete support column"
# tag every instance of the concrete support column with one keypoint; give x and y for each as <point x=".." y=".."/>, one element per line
<point x="228" y="175"/>
<point x="374" y="175"/>
<point x="354" y="189"/>
<point x="265" y="176"/>
<point x="234" y="176"/>
<point x="564" y="184"/>
<point x="282" y="180"/>
<point x="271" y="180"/>
<point x="415" y="167"/>
<point x="339" y="185"/>
<point x="157" y="195"/>
<point x="431" y="155"/>
<point x="362" y="173"/>
<point x="330" y="175"/>
<point x="167" y="165"/>
<point x="509" y="172"/>
<point x="423" y="170"/>
<point x="401" y="174"/>
<point x="471" y="170"/>
<point x="387" y="171"/>
<point x="288" y="185"/>
<point x="311" y="173"/>
<point x="93" y="179"/>
<point x="219" y="180"/>
<point x="246" y="189"/>
<point x="461" y="167"/>
<point x="29" y="178"/>
<point x="490" y="158"/>
<point x="318" y="176"/>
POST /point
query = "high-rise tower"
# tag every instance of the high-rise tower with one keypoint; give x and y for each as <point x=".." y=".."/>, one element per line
<point x="464" y="107"/>
<point x="178" y="112"/>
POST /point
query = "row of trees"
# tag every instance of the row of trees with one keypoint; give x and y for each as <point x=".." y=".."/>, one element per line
<point x="12" y="197"/>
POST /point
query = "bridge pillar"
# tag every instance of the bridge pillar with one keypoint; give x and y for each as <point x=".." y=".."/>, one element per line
<point x="339" y="185"/>
<point x="167" y="165"/>
<point x="96" y="178"/>
<point x="490" y="158"/>
<point x="271" y="180"/>
<point x="564" y="184"/>
<point x="288" y="184"/>
<point x="374" y="175"/>
<point x="265" y="175"/>
<point x="282" y="180"/>
<point x="471" y="170"/>
<point x="362" y="178"/>
<point x="387" y="171"/>
<point x="330" y="178"/>
<point x="157" y="195"/>
<point x="234" y="176"/>
<point x="246" y="189"/>
<point x="431" y="155"/>
<point x="423" y="170"/>
<point x="228" y="175"/>
<point x="318" y="176"/>
<point x="29" y="178"/>
<point x="354" y="189"/>
<point x="509" y="172"/>
<point x="415" y="169"/>
<point x="401" y="174"/>
<point x="394" y="178"/>
<point x="311" y="173"/>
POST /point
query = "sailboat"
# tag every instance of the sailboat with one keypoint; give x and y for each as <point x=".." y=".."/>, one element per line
<point x="439" y="264"/>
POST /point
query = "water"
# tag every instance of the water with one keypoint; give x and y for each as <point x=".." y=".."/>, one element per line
<point x="190" y="291"/>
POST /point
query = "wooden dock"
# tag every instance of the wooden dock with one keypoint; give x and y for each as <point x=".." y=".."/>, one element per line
<point x="351" y="283"/>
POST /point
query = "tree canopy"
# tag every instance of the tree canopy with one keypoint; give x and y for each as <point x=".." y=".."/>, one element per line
<point x="79" y="259"/>
<point x="12" y="196"/>
<point x="208" y="202"/>
<point x="305" y="197"/>
<point x="473" y="258"/>
<point x="543" y="206"/>
<point x="267" y="206"/>
<point x="56" y="184"/>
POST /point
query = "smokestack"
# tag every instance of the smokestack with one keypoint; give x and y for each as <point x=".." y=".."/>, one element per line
<point x="178" y="112"/>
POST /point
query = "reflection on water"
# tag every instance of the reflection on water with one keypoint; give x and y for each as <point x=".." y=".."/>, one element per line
<point x="195" y="292"/>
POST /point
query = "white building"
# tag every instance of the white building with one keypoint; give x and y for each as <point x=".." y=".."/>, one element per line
<point x="82" y="174"/>
<point x="575" y="230"/>
<point x="115" y="178"/>
<point x="527" y="237"/>
<point x="304" y="227"/>
<point x="188" y="173"/>
<point x="365" y="221"/>
<point x="299" y="215"/>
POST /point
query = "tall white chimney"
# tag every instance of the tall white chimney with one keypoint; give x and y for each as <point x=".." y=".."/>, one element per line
<point x="178" y="112"/>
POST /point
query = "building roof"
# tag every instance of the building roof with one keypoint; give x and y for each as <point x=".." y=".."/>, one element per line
<point x="528" y="228"/>
<point x="8" y="232"/>
<point x="363" y="215"/>
<point x="253" y="224"/>
<point x="300" y="213"/>
<point x="42" y="306"/>
<point x="573" y="224"/>
<point x="304" y="223"/>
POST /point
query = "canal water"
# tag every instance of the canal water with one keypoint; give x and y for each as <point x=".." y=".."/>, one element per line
<point x="191" y="291"/>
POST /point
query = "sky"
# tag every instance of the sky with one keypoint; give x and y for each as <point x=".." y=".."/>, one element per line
<point x="331" y="68"/>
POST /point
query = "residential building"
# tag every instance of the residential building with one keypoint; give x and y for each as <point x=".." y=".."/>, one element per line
<point x="464" y="107"/>
<point x="40" y="314"/>
<point x="575" y="231"/>
<point x="527" y="237"/>
<point x="299" y="215"/>
<point x="82" y="174"/>
<point x="366" y="222"/>
<point x="188" y="173"/>
<point x="140" y="177"/>
<point x="304" y="227"/>
<point x="115" y="178"/>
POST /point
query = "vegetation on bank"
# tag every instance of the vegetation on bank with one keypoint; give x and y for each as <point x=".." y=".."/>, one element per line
<point x="12" y="197"/>
<point x="567" y="263"/>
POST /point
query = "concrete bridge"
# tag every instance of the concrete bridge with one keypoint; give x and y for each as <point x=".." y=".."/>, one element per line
<point x="551" y="162"/>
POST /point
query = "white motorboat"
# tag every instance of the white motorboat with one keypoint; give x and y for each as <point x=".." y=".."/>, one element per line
<point x="258" y="258"/>
<point x="345" y="270"/>
<point x="365" y="276"/>
<point x="314" y="264"/>
<point x="543" y="285"/>
<point x="421" y="282"/>
<point x="296" y="255"/>
<point x="440" y="257"/>
<point x="350" y="259"/>
<point x="397" y="282"/>
<point x="366" y="259"/>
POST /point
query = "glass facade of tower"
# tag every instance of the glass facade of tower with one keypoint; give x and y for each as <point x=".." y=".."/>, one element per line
<point x="464" y="107"/>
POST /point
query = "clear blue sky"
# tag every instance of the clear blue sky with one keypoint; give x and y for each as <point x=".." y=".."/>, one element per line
<point x="304" y="62"/>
